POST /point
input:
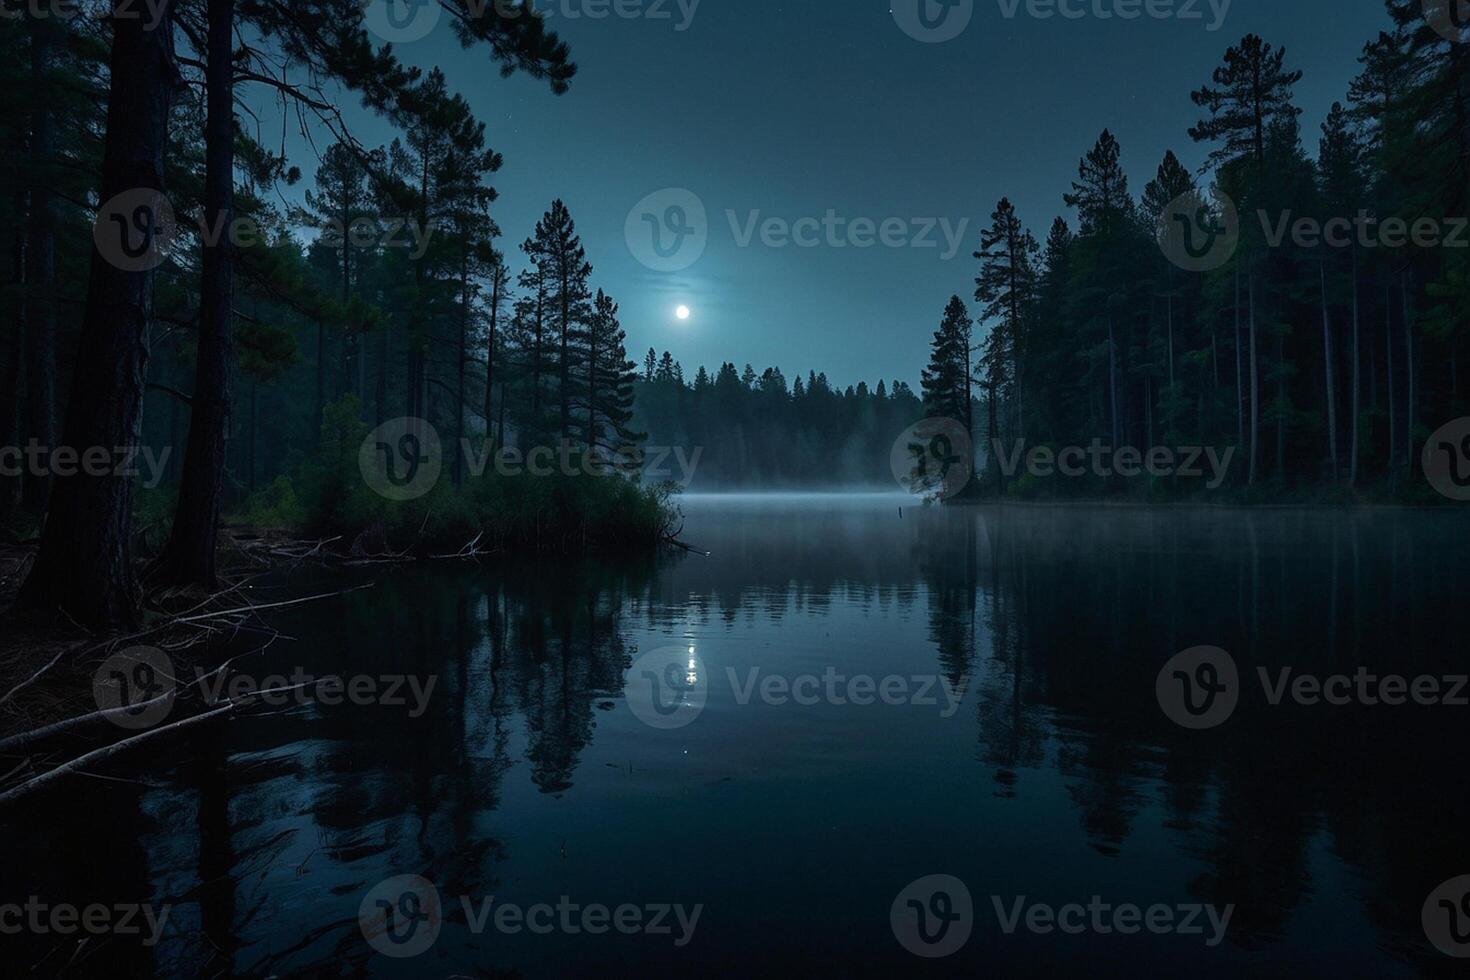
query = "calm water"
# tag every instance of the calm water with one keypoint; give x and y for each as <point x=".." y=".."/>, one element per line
<point x="795" y="826"/>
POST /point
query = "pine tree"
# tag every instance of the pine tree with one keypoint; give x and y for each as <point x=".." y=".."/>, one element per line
<point x="557" y="251"/>
<point x="1100" y="193"/>
<point x="1343" y="189"/>
<point x="1252" y="90"/>
<point x="84" y="566"/>
<point x="495" y="345"/>
<point x="994" y="376"/>
<point x="536" y="360"/>
<point x="1105" y="215"/>
<point x="1251" y="100"/>
<point x="1171" y="183"/>
<point x="610" y="379"/>
<point x="341" y="203"/>
<point x="946" y="381"/>
<point x="1007" y="286"/>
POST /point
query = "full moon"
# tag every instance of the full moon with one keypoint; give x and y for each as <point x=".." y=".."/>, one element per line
<point x="682" y="313"/>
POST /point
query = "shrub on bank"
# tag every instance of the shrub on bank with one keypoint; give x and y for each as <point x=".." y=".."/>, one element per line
<point x="327" y="496"/>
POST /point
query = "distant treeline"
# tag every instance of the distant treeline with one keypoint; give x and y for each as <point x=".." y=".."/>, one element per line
<point x="759" y="431"/>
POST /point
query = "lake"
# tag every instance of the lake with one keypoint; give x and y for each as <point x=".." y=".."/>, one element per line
<point x="763" y="757"/>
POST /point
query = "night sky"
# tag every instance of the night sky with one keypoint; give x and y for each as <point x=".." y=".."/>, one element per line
<point x="793" y="109"/>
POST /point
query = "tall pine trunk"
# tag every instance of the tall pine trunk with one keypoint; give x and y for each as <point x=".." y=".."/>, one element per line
<point x="495" y="281"/>
<point x="1239" y="372"/>
<point x="1331" y="389"/>
<point x="84" y="566"/>
<point x="564" y="381"/>
<point x="592" y="391"/>
<point x="1357" y="378"/>
<point x="537" y="363"/>
<point x="189" y="556"/>
<point x="321" y="361"/>
<point x="1113" y="383"/>
<point x="993" y="431"/>
<point x="352" y="343"/>
<point x="380" y="400"/>
<point x="1393" y="429"/>
<point x="12" y="353"/>
<point x="41" y="260"/>
<point x="463" y="352"/>
<point x="1255" y="385"/>
<point x="254" y="428"/>
<point x="1406" y="282"/>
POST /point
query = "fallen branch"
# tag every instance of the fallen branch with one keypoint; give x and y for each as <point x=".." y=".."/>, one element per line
<point x="269" y="605"/>
<point x="689" y="548"/>
<point x="36" y="676"/>
<point x="107" y="751"/>
<point x="108" y="714"/>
